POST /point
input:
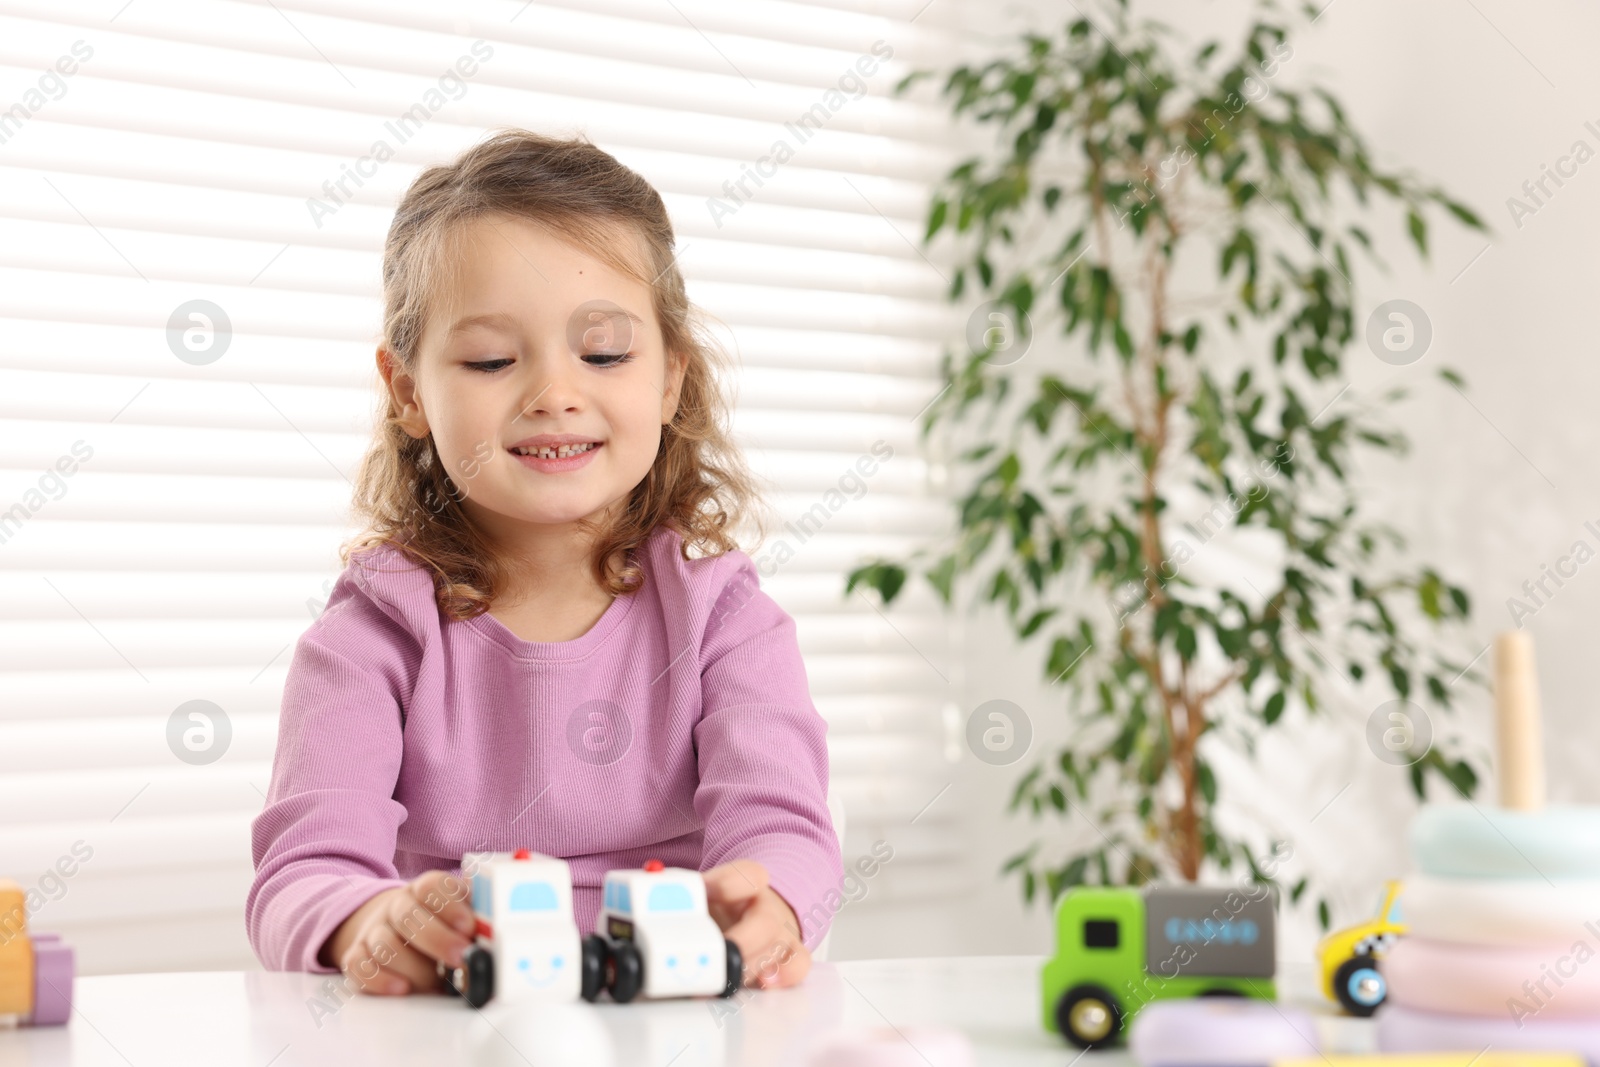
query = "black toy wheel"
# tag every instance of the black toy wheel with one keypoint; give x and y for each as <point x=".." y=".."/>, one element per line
<point x="624" y="971"/>
<point x="1360" y="986"/>
<point x="735" y="969"/>
<point x="476" y="975"/>
<point x="593" y="953"/>
<point x="1089" y="1016"/>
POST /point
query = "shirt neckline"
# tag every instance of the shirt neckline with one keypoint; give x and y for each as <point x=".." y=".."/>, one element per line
<point x="497" y="631"/>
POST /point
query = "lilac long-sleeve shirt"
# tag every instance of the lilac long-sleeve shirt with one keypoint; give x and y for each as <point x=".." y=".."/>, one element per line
<point x="679" y="728"/>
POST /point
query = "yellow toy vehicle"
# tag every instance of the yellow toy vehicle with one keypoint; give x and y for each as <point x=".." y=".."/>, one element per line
<point x="1349" y="958"/>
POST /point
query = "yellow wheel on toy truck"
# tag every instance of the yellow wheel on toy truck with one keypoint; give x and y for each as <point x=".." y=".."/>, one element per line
<point x="1089" y="1016"/>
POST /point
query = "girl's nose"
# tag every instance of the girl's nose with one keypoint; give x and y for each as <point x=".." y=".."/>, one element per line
<point x="553" y="388"/>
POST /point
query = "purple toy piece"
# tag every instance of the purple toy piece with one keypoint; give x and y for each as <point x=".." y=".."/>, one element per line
<point x="1402" y="1029"/>
<point x="52" y="980"/>
<point x="1220" y="1032"/>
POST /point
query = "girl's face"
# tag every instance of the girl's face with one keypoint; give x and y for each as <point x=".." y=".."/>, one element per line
<point x="543" y="379"/>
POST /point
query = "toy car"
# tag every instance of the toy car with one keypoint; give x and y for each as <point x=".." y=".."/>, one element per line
<point x="659" y="939"/>
<point x="1119" y="949"/>
<point x="527" y="945"/>
<point x="1349" y="958"/>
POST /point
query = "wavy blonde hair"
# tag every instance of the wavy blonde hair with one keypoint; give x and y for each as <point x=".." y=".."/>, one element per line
<point x="698" y="484"/>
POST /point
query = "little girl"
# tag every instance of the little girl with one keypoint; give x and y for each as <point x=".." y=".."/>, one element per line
<point x="521" y="651"/>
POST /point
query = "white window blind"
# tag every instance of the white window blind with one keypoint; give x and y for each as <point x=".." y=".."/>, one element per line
<point x="168" y="528"/>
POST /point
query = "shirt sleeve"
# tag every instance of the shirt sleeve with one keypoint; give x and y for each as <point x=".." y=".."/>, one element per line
<point x="324" y="844"/>
<point x="763" y="756"/>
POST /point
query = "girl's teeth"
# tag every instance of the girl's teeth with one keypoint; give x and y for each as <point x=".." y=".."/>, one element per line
<point x="559" y="452"/>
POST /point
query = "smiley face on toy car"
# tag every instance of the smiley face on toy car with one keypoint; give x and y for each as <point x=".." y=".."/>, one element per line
<point x="540" y="972"/>
<point x="688" y="970"/>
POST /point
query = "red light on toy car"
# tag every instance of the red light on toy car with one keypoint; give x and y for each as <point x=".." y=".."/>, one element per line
<point x="522" y="854"/>
<point x="654" y="865"/>
<point x="483" y="929"/>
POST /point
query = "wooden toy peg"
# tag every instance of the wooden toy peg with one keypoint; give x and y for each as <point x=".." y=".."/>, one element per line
<point x="16" y="954"/>
<point x="1518" y="735"/>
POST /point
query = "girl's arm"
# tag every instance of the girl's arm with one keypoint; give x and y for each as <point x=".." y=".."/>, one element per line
<point x="324" y="844"/>
<point x="763" y="755"/>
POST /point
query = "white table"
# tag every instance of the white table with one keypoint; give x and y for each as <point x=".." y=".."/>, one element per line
<point x="257" y="1018"/>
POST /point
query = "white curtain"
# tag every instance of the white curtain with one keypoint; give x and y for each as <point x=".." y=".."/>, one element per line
<point x="193" y="198"/>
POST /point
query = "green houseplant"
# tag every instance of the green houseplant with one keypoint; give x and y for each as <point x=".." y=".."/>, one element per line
<point x="1172" y="224"/>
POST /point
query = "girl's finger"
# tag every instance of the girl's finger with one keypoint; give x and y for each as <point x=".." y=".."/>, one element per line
<point x="447" y="895"/>
<point x="362" y="967"/>
<point x="766" y="967"/>
<point x="793" y="969"/>
<point x="391" y="984"/>
<point x="726" y="915"/>
<point x="763" y="943"/>
<point x="736" y="882"/>
<point x="783" y="962"/>
<point x="390" y="951"/>
<point x="424" y="931"/>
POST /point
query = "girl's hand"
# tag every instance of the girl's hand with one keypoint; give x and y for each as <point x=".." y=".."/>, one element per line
<point x="390" y="943"/>
<point x="760" y="922"/>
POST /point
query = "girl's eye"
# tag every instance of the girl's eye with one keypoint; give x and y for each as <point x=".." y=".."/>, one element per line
<point x="594" y="359"/>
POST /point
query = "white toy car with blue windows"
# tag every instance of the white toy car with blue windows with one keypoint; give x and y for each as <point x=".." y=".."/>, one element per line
<point x="659" y="939"/>
<point x="527" y="945"/>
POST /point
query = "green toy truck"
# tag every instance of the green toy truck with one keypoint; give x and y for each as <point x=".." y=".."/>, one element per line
<point x="1119" y="949"/>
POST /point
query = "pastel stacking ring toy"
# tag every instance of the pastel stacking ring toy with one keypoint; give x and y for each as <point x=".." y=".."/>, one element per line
<point x="1482" y="912"/>
<point x="1476" y="841"/>
<point x="1220" y="1032"/>
<point x="1403" y="1029"/>
<point x="1504" y="921"/>
<point x="1479" y="980"/>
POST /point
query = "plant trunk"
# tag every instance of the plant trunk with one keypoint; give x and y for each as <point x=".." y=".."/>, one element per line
<point x="1184" y="708"/>
<point x="1190" y="850"/>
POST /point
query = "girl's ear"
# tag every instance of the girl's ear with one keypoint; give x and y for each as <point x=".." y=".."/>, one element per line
<point x="403" y="393"/>
<point x="677" y="364"/>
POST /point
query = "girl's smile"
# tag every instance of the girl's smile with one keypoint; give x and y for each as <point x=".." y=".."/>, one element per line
<point x="552" y="453"/>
